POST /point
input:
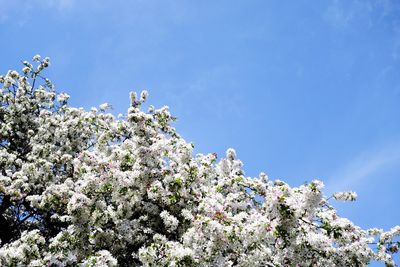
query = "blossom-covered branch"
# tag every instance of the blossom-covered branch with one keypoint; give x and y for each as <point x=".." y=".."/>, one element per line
<point x="87" y="188"/>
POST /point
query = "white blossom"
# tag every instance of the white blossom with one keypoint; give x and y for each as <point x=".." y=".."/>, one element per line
<point x="62" y="97"/>
<point x="36" y="57"/>
<point x="83" y="188"/>
<point x="143" y="95"/>
<point x="104" y="106"/>
<point x="170" y="221"/>
<point x="345" y="196"/>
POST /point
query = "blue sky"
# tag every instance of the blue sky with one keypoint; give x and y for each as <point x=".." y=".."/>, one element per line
<point x="301" y="89"/>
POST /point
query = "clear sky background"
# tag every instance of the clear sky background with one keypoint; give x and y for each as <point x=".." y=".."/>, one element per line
<point x="301" y="89"/>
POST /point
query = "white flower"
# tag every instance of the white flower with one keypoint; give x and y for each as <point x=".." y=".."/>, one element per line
<point x="263" y="177"/>
<point x="36" y="57"/>
<point x="102" y="258"/>
<point x="187" y="214"/>
<point x="231" y="154"/>
<point x="63" y="97"/>
<point x="133" y="97"/>
<point x="143" y="95"/>
<point x="345" y="196"/>
<point x="170" y="222"/>
<point x="104" y="106"/>
<point x="26" y="70"/>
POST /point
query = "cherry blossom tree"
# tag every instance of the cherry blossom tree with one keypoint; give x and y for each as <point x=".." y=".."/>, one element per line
<point x="86" y="188"/>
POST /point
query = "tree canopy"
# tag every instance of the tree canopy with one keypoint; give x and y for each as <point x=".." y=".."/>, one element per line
<point x="87" y="188"/>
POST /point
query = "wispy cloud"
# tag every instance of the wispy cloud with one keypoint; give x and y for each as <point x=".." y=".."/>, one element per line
<point x="364" y="167"/>
<point x="396" y="43"/>
<point x="58" y="4"/>
<point x="341" y="14"/>
<point x="220" y="80"/>
<point x="21" y="10"/>
<point x="337" y="16"/>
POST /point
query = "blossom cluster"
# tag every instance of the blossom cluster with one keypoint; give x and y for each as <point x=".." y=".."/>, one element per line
<point x="86" y="188"/>
<point x="345" y="196"/>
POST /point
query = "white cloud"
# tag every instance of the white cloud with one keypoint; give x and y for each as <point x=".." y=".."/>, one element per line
<point x="58" y="4"/>
<point x="20" y="10"/>
<point x="337" y="16"/>
<point x="341" y="14"/>
<point x="364" y="167"/>
<point x="219" y="80"/>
